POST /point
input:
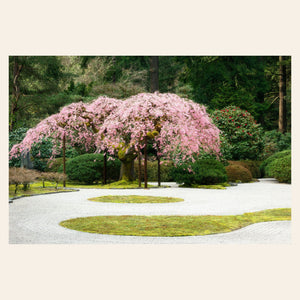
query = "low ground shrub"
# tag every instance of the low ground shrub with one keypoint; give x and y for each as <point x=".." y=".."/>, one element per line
<point x="205" y="171"/>
<point x="238" y="173"/>
<point x="252" y="166"/>
<point x="280" y="169"/>
<point x="88" y="168"/>
<point x="18" y="176"/>
<point x="52" y="176"/>
<point x="152" y="167"/>
<point x="270" y="159"/>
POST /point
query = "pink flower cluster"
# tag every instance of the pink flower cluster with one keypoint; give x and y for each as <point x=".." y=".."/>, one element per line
<point x="178" y="127"/>
<point x="175" y="125"/>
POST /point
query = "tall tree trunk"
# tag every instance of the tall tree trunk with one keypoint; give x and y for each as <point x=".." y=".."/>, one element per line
<point x="16" y="93"/>
<point x="104" y="167"/>
<point x="64" y="159"/>
<point x="154" y="73"/>
<point x="140" y="169"/>
<point x="145" y="164"/>
<point x="282" y="94"/>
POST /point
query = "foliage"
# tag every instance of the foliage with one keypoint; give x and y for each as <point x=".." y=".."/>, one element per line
<point x="15" y="137"/>
<point x="280" y="169"/>
<point x="79" y="123"/>
<point x="173" y="225"/>
<point x="204" y="171"/>
<point x="270" y="159"/>
<point x="135" y="199"/>
<point x="152" y="167"/>
<point x="176" y="126"/>
<point x="18" y="176"/>
<point x="238" y="173"/>
<point x="275" y="141"/>
<point x="53" y="176"/>
<point x="241" y="131"/>
<point x="88" y="168"/>
<point x="252" y="166"/>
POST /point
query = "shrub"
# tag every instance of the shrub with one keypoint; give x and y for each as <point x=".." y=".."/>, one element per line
<point x="280" y="169"/>
<point x="22" y="176"/>
<point x="240" y="130"/>
<point x="252" y="166"/>
<point x="55" y="164"/>
<point x="238" y="173"/>
<point x="275" y="141"/>
<point x="270" y="159"/>
<point x="204" y="171"/>
<point x="88" y="168"/>
<point x="152" y="166"/>
<point x="53" y="176"/>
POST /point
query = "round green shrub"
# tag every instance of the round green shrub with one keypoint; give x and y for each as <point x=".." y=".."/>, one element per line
<point x="270" y="159"/>
<point x="238" y="173"/>
<point x="243" y="137"/>
<point x="252" y="166"/>
<point x="280" y="169"/>
<point x="88" y="168"/>
<point x="204" y="171"/>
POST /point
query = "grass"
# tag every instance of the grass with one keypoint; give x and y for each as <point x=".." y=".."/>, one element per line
<point x="171" y="226"/>
<point x="135" y="199"/>
<point x="35" y="189"/>
<point x="220" y="186"/>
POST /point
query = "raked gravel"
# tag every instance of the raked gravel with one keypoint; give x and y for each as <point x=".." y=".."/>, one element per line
<point x="35" y="220"/>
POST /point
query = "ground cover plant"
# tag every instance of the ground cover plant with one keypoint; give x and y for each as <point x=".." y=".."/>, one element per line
<point x="173" y="225"/>
<point x="135" y="199"/>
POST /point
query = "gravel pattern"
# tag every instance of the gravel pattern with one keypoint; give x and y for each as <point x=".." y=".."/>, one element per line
<point x="35" y="220"/>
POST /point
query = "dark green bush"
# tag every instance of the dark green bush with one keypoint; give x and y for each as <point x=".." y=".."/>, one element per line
<point x="280" y="169"/>
<point x="88" y="168"/>
<point x="204" y="171"/>
<point x="152" y="166"/>
<point x="275" y="141"/>
<point x="55" y="165"/>
<point x="270" y="159"/>
<point x="238" y="173"/>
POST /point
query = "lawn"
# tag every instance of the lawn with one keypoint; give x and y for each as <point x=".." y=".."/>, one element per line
<point x="171" y="226"/>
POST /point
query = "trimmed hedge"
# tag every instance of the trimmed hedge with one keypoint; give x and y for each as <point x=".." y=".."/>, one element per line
<point x="88" y="168"/>
<point x="238" y="173"/>
<point x="280" y="169"/>
<point x="205" y="171"/>
<point x="270" y="159"/>
<point x="252" y="166"/>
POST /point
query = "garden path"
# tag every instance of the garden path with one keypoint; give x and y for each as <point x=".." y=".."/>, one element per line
<point x="35" y="220"/>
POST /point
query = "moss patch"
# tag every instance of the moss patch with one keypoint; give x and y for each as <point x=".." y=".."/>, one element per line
<point x="168" y="226"/>
<point x="135" y="199"/>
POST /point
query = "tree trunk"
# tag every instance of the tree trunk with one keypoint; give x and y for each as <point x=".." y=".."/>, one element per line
<point x="16" y="93"/>
<point x="64" y="159"/>
<point x="145" y="164"/>
<point x="127" y="170"/>
<point x="104" y="167"/>
<point x="154" y="73"/>
<point x="158" y="170"/>
<point x="140" y="169"/>
<point x="282" y="94"/>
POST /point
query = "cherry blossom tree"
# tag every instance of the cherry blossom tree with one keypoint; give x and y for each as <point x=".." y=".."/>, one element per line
<point x="77" y="124"/>
<point x="178" y="128"/>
